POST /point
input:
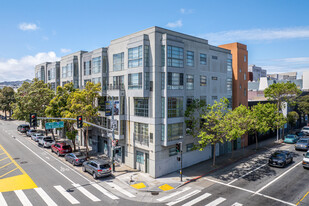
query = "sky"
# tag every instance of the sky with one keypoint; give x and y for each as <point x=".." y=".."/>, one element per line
<point x="31" y="32"/>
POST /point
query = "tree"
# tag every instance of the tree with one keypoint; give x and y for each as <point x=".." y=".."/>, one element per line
<point x="292" y="118"/>
<point x="82" y="102"/>
<point x="7" y="98"/>
<point x="303" y="104"/>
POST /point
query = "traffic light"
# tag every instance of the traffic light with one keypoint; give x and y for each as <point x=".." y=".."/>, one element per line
<point x="116" y="143"/>
<point x="33" y="120"/>
<point x="178" y="147"/>
<point x="178" y="158"/>
<point x="79" y="121"/>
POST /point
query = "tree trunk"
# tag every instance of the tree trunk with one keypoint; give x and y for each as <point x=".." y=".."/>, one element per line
<point x="87" y="149"/>
<point x="256" y="141"/>
<point x="52" y="131"/>
<point x="214" y="155"/>
<point x="283" y="132"/>
<point x="5" y="114"/>
<point x="232" y="148"/>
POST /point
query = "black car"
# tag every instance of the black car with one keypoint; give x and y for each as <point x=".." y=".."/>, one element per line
<point x="280" y="158"/>
<point x="23" y="128"/>
<point x="76" y="158"/>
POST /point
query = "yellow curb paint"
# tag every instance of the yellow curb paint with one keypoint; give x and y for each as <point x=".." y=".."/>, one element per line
<point x="166" y="187"/>
<point x="9" y="172"/>
<point x="6" y="165"/>
<point x="139" y="185"/>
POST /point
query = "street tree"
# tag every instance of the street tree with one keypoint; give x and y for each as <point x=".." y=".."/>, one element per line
<point x="292" y="118"/>
<point x="7" y="98"/>
<point x="303" y="104"/>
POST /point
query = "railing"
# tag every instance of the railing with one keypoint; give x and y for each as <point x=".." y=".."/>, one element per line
<point x="115" y="87"/>
<point x="141" y="139"/>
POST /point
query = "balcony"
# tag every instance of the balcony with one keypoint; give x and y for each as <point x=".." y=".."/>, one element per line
<point x="141" y="139"/>
<point x="115" y="87"/>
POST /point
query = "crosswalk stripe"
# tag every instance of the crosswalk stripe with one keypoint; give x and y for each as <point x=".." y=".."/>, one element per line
<point x="45" y="197"/>
<point x="120" y="189"/>
<point x="184" y="197"/>
<point x="2" y="200"/>
<point x="173" y="194"/>
<point x="86" y="193"/>
<point x="237" y="204"/>
<point x="216" y="202"/>
<point x="104" y="191"/>
<point x="198" y="199"/>
<point x="67" y="195"/>
<point x="23" y="198"/>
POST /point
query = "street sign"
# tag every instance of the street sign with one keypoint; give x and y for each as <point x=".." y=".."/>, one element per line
<point x="53" y="125"/>
<point x="114" y="124"/>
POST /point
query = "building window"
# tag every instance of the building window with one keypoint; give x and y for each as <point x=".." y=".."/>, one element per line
<point x="135" y="81"/>
<point x="214" y="97"/>
<point x="162" y="80"/>
<point x="245" y="76"/>
<point x="162" y="132"/>
<point x="189" y="101"/>
<point x="203" y="59"/>
<point x="214" y="78"/>
<point x="87" y="68"/>
<point x="175" y="107"/>
<point x="230" y="102"/>
<point x="85" y="82"/>
<point x="245" y="91"/>
<point x="174" y="56"/>
<point x="174" y="80"/>
<point x="245" y="58"/>
<point x="203" y="80"/>
<point x="239" y="70"/>
<point x="147" y="81"/>
<point x="139" y="157"/>
<point x="174" y="131"/>
<point x="190" y="82"/>
<point x="141" y="133"/>
<point x="48" y="75"/>
<point x="190" y="58"/>
<point x="141" y="107"/>
<point x="189" y="147"/>
<point x="53" y="73"/>
<point x="162" y="55"/>
<point x="135" y="57"/>
<point x="53" y="86"/>
<point x="229" y="65"/>
<point x="146" y="55"/>
<point x="118" y="62"/>
<point x="118" y="82"/>
<point x="69" y="70"/>
<point x="64" y="72"/>
<point x="163" y="106"/>
<point x="214" y="57"/>
<point x="239" y="86"/>
<point x="229" y="84"/>
<point x="96" y="65"/>
<point x="96" y="80"/>
<point x="203" y="99"/>
<point x="172" y="151"/>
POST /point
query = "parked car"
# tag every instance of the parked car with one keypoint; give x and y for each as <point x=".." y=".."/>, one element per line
<point x="280" y="158"/>
<point x="97" y="168"/>
<point x="302" y="144"/>
<point x="291" y="138"/>
<point x="23" y="128"/>
<point x="46" y="141"/>
<point x="306" y="160"/>
<point x="305" y="130"/>
<point x="61" y="148"/>
<point x="76" y="158"/>
<point x="35" y="136"/>
<point x="300" y="134"/>
<point x="30" y="132"/>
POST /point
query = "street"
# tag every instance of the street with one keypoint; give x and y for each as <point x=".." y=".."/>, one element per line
<point x="42" y="178"/>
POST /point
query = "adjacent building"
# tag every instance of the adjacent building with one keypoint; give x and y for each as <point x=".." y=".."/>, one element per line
<point x="283" y="76"/>
<point x="255" y="73"/>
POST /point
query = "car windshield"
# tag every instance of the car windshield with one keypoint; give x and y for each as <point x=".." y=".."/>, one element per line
<point x="79" y="155"/>
<point x="306" y="128"/>
<point x="278" y="155"/>
<point x="48" y="139"/>
<point x="290" y="136"/>
<point x="106" y="166"/>
<point x="66" y="147"/>
<point x="307" y="155"/>
<point x="302" y="141"/>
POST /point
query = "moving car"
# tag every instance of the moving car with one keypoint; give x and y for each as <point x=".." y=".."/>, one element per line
<point x="97" y="168"/>
<point x="23" y="128"/>
<point x="30" y="132"/>
<point x="61" y="148"/>
<point x="35" y="136"/>
<point x="280" y="158"/>
<point x="76" y="158"/>
<point x="291" y="138"/>
<point x="302" y="144"/>
<point x="306" y="160"/>
<point x="305" y="130"/>
<point x="46" y="141"/>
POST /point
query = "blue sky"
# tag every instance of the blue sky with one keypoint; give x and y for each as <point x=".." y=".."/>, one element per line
<point x="276" y="32"/>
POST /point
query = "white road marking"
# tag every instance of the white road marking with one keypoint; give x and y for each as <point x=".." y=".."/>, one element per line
<point x="23" y="198"/>
<point x="104" y="191"/>
<point x="2" y="200"/>
<point x="120" y="189"/>
<point x="46" y="162"/>
<point x="184" y="197"/>
<point x="246" y="174"/>
<point x="198" y="199"/>
<point x="250" y="191"/>
<point x="278" y="177"/>
<point x="216" y="202"/>
<point x="86" y="193"/>
<point x="66" y="194"/>
<point x="237" y="204"/>
<point x="45" y="197"/>
<point x="173" y="194"/>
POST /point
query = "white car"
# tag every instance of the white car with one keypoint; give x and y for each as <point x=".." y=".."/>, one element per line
<point x="35" y="136"/>
<point x="46" y="141"/>
<point x="306" y="160"/>
<point x="305" y="130"/>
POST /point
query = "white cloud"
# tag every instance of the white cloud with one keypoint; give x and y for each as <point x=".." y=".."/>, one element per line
<point x="45" y="38"/>
<point x="63" y="50"/>
<point x="186" y="11"/>
<point x="257" y="34"/>
<point x="174" y="24"/>
<point x="28" y="26"/>
<point x="297" y="60"/>
<point x="21" y="69"/>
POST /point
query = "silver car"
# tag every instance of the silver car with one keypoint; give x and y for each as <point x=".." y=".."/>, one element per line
<point x="302" y="144"/>
<point x="45" y="141"/>
<point x="35" y="136"/>
<point x="305" y="130"/>
<point x="30" y="132"/>
<point x="97" y="168"/>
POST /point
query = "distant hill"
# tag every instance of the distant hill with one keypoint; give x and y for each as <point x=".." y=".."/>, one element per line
<point x="13" y="83"/>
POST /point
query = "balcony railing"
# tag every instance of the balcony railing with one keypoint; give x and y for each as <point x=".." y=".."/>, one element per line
<point x="141" y="139"/>
<point x="115" y="87"/>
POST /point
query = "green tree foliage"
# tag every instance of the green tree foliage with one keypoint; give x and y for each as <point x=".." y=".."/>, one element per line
<point x="303" y="104"/>
<point x="292" y="118"/>
<point x="7" y="98"/>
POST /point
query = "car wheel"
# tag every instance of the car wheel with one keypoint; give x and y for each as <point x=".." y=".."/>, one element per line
<point x="84" y="169"/>
<point x="94" y="175"/>
<point x="58" y="153"/>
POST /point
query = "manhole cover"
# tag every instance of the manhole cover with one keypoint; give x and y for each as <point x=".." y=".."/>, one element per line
<point x="70" y="190"/>
<point x="16" y="158"/>
<point x="23" y="162"/>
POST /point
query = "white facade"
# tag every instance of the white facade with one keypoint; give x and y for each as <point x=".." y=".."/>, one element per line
<point x="305" y="80"/>
<point x="257" y="72"/>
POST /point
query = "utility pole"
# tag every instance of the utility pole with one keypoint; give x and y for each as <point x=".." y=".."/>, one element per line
<point x="179" y="149"/>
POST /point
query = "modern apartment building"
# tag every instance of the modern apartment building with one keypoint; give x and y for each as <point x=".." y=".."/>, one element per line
<point x="257" y="72"/>
<point x="53" y="75"/>
<point x="153" y="74"/>
<point x="283" y="76"/>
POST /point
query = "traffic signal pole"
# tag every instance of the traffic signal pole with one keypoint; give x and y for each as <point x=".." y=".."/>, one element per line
<point x="181" y="162"/>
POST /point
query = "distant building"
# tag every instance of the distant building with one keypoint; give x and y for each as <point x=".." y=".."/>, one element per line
<point x="283" y="76"/>
<point x="305" y="79"/>
<point x="255" y="73"/>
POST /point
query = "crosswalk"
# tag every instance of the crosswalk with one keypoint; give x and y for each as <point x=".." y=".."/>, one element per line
<point x="72" y="195"/>
<point x="189" y="197"/>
